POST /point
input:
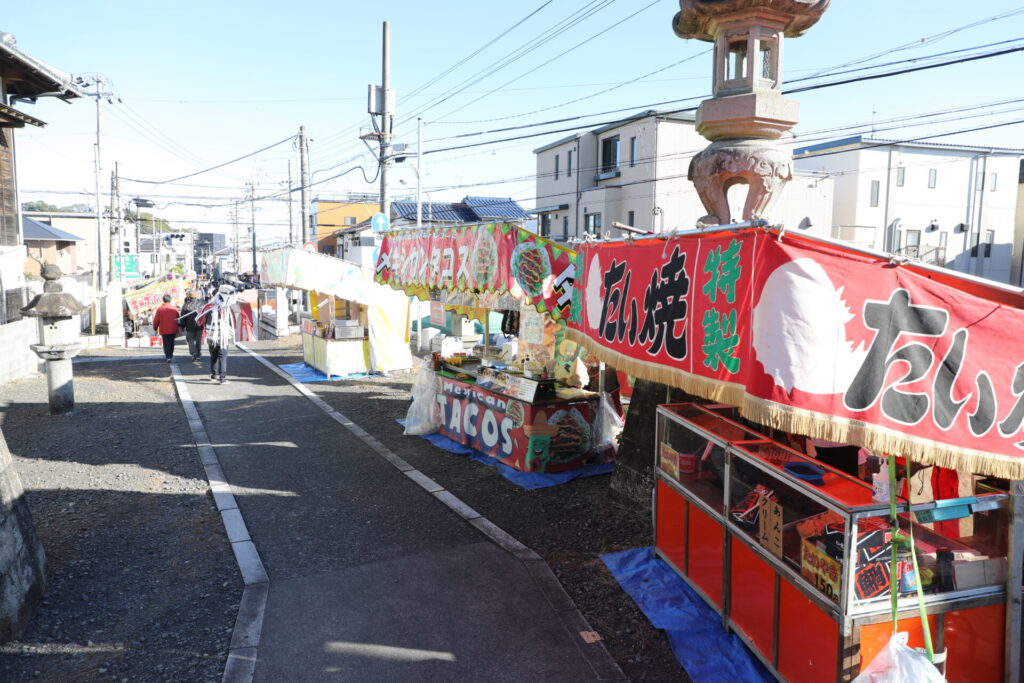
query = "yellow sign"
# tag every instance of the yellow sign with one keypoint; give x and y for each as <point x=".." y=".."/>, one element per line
<point x="151" y="296"/>
<point x="820" y="569"/>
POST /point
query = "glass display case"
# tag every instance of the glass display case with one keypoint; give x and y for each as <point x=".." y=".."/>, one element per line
<point x="795" y="554"/>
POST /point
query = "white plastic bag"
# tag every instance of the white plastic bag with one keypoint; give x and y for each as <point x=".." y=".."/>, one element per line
<point x="423" y="417"/>
<point x="897" y="663"/>
<point x="607" y="428"/>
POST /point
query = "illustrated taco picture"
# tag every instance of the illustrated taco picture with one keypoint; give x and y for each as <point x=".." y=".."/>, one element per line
<point x="516" y="412"/>
<point x="531" y="268"/>
<point x="573" y="436"/>
<point x="484" y="262"/>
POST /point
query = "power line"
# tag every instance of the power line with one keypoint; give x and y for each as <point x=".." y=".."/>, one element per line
<point x="212" y="168"/>
<point x="679" y="111"/>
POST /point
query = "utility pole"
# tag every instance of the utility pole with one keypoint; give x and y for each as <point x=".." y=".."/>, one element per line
<point x="234" y="221"/>
<point x="419" y="173"/>
<point x="291" y="226"/>
<point x="98" y="95"/>
<point x="304" y="179"/>
<point x="115" y="232"/>
<point x="252" y="226"/>
<point x="385" y="121"/>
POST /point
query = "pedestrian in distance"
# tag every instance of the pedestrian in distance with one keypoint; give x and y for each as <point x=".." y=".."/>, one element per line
<point x="189" y="321"/>
<point x="217" y="317"/>
<point x="165" y="322"/>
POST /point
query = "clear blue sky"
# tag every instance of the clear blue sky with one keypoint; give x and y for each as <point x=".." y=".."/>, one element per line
<point x="203" y="83"/>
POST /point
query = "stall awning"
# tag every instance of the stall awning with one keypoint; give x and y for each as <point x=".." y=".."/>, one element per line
<point x="480" y="263"/>
<point x="816" y="338"/>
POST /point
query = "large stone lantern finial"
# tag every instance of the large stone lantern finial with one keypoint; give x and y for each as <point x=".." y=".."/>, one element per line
<point x="58" y="331"/>
<point x="748" y="112"/>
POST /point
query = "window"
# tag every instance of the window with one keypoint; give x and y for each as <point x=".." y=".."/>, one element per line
<point x="943" y="237"/>
<point x="565" y="227"/>
<point x="631" y="218"/>
<point x="875" y="187"/>
<point x="990" y="238"/>
<point x="632" y="151"/>
<point x="933" y="178"/>
<point x="900" y="176"/>
<point x="350" y="220"/>
<point x="568" y="164"/>
<point x="913" y="243"/>
<point x="979" y="181"/>
<point x="610" y="154"/>
<point x="545" y="224"/>
<point x="556" y="167"/>
<point x="897" y="241"/>
<point x="992" y="183"/>
<point x="592" y="221"/>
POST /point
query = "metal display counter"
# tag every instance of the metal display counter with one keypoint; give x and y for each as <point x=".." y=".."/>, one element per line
<point x="765" y="538"/>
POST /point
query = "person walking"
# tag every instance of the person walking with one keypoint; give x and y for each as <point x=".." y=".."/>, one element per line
<point x="165" y="322"/>
<point x="189" y="321"/>
<point x="216" y="316"/>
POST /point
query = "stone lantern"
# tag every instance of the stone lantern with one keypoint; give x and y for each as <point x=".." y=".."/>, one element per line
<point x="58" y="331"/>
<point x="748" y="113"/>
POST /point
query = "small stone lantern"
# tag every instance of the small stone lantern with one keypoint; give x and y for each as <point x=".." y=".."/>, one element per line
<point x="748" y="113"/>
<point x="55" y="310"/>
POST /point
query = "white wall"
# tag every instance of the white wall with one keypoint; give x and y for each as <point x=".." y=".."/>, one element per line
<point x="934" y="213"/>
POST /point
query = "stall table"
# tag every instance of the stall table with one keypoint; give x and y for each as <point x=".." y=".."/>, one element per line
<point x="337" y="357"/>
<point x="770" y="547"/>
<point x="493" y="412"/>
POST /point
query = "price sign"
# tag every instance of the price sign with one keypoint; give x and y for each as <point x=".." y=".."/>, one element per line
<point x="769" y="532"/>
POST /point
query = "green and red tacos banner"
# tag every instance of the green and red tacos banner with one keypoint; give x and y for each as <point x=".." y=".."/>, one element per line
<point x="810" y="338"/>
<point x="495" y="258"/>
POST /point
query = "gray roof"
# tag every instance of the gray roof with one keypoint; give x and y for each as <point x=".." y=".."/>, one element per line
<point x="27" y="77"/>
<point x="469" y="210"/>
<point x="36" y="230"/>
<point x="867" y="141"/>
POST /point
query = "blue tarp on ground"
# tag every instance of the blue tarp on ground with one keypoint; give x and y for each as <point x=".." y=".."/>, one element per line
<point x="307" y="373"/>
<point x="526" y="480"/>
<point x="707" y="652"/>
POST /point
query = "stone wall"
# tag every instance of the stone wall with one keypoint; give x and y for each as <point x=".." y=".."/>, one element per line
<point x="17" y="360"/>
<point x="22" y="577"/>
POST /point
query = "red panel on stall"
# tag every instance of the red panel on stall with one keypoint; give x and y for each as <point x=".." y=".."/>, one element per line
<point x="808" y="638"/>
<point x="671" y="525"/>
<point x="705" y="546"/>
<point x="974" y="640"/>
<point x="973" y="637"/>
<point x="752" y="587"/>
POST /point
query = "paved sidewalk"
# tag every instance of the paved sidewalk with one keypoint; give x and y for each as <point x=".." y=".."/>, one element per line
<point x="371" y="578"/>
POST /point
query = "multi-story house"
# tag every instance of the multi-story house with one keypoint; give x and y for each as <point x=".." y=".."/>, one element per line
<point x="331" y="216"/>
<point x="634" y="171"/>
<point x="948" y="205"/>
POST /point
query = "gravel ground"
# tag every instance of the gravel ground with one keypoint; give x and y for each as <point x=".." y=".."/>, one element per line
<point x="569" y="525"/>
<point x="142" y="582"/>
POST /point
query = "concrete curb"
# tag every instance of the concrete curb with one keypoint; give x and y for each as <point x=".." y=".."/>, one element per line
<point x="245" y="637"/>
<point x="605" y="668"/>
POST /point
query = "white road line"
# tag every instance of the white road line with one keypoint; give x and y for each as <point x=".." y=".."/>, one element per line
<point x="245" y="637"/>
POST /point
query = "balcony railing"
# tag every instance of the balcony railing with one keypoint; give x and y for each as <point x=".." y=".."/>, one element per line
<point x="934" y="256"/>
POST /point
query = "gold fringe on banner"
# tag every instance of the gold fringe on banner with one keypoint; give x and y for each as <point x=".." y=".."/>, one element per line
<point x="809" y="423"/>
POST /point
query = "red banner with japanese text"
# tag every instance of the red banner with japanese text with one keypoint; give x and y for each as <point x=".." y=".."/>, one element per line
<point x="806" y="336"/>
<point x="494" y="258"/>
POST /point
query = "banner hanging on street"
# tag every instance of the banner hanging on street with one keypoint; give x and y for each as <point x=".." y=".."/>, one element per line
<point x="810" y="338"/>
<point x="493" y="258"/>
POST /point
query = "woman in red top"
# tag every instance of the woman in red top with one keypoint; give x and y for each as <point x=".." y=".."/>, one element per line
<point x="165" y="322"/>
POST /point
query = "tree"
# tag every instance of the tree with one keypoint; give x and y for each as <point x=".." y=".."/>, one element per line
<point x="38" y="206"/>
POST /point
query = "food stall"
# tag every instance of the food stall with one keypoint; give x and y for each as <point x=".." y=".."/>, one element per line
<point x="517" y="411"/>
<point x="357" y="326"/>
<point x="802" y="347"/>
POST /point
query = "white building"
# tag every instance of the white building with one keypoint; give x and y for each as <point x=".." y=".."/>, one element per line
<point x="635" y="172"/>
<point x="948" y="205"/>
